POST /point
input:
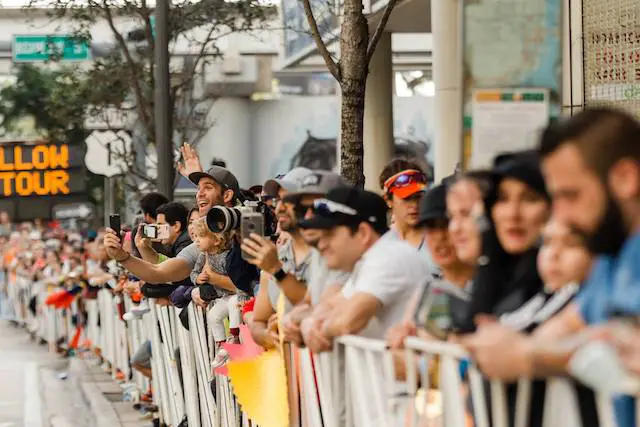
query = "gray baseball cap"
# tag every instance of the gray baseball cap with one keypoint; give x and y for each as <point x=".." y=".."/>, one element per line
<point x="317" y="183"/>
<point x="222" y="176"/>
<point x="290" y="182"/>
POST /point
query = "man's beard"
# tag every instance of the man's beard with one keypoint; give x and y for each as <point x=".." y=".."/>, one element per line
<point x="611" y="232"/>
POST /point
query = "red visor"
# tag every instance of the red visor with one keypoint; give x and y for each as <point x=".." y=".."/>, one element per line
<point x="406" y="183"/>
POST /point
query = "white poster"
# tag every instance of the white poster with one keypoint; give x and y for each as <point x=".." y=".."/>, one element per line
<point x="506" y="120"/>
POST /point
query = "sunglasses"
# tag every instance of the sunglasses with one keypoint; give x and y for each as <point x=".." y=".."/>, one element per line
<point x="404" y="179"/>
<point x="326" y="207"/>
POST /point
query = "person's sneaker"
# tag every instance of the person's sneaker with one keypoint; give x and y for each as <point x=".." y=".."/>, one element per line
<point x="147" y="416"/>
<point x="137" y="312"/>
<point x="232" y="339"/>
<point x="221" y="359"/>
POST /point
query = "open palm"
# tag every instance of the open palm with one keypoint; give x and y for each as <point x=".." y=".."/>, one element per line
<point x="190" y="162"/>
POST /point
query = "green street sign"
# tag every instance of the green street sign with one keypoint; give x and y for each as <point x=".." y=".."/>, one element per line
<point x="152" y="21"/>
<point x="38" y="48"/>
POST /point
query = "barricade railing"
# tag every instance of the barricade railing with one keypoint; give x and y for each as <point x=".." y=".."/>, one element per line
<point x="177" y="394"/>
<point x="366" y="390"/>
<point x="356" y="384"/>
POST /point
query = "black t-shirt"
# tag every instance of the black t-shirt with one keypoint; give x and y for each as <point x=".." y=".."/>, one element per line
<point x="181" y="242"/>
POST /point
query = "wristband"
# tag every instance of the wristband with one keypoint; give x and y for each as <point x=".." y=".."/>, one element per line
<point x="280" y="274"/>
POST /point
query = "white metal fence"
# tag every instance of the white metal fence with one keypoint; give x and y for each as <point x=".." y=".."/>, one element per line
<point x="357" y="384"/>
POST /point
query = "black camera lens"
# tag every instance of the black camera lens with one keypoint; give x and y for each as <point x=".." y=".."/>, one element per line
<point x="221" y="219"/>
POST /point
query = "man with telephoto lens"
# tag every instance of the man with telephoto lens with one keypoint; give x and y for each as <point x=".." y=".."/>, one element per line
<point x="216" y="187"/>
<point x="149" y="204"/>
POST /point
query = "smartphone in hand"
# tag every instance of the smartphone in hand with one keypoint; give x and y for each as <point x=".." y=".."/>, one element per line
<point x="251" y="223"/>
<point x="114" y="224"/>
<point x="424" y="316"/>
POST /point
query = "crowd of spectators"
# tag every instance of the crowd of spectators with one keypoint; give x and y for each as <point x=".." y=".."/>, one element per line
<point x="528" y="265"/>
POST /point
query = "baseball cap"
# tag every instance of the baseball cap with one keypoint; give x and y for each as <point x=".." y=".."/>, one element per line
<point x="523" y="166"/>
<point x="434" y="204"/>
<point x="317" y="183"/>
<point x="348" y="206"/>
<point x="222" y="176"/>
<point x="406" y="183"/>
<point x="291" y="181"/>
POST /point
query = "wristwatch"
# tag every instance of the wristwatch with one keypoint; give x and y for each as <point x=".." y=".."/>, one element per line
<point x="280" y="274"/>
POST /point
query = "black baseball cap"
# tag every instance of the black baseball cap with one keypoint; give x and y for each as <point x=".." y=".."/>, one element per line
<point x="523" y="166"/>
<point x="348" y="206"/>
<point x="433" y="205"/>
<point x="222" y="176"/>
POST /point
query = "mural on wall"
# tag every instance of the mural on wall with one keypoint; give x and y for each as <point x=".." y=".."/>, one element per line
<point x="319" y="153"/>
<point x="303" y="132"/>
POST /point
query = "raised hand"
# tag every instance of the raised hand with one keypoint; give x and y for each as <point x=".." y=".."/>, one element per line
<point x="190" y="161"/>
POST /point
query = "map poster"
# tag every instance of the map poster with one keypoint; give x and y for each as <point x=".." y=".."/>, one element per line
<point x="511" y="44"/>
<point x="506" y="121"/>
<point x="612" y="53"/>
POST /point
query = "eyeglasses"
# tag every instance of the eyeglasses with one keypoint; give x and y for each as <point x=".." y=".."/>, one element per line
<point x="326" y="207"/>
<point x="404" y="179"/>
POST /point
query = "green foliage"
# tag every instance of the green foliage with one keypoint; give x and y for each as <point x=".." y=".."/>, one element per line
<point x="121" y="76"/>
<point x="126" y="71"/>
<point x="54" y="99"/>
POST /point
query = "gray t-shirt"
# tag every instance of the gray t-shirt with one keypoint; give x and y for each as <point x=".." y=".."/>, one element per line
<point x="321" y="277"/>
<point x="190" y="254"/>
<point x="300" y="270"/>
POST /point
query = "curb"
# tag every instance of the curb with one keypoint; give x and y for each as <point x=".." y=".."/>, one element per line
<point x="103" y="412"/>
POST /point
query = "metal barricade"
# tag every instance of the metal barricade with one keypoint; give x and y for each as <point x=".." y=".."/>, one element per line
<point x="364" y="390"/>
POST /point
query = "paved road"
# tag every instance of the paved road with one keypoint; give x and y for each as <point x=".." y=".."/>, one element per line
<point x="31" y="395"/>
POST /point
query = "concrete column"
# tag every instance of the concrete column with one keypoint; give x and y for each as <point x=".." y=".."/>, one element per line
<point x="572" y="58"/>
<point x="446" y="18"/>
<point x="378" y="113"/>
<point x="230" y="138"/>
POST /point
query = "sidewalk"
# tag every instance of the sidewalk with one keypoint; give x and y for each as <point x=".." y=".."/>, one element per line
<point x="104" y="395"/>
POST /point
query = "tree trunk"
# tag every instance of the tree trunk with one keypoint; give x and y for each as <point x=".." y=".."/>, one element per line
<point x="354" y="38"/>
<point x="351" y="135"/>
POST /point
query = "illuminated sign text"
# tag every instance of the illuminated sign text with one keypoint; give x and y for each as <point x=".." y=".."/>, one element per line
<point x="34" y="170"/>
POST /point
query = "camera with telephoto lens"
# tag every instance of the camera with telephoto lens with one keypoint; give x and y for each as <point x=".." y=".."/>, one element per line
<point x="252" y="218"/>
<point x="255" y="216"/>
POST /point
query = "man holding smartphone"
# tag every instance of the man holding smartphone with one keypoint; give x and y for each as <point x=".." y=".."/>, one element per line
<point x="149" y="204"/>
<point x="286" y="268"/>
<point x="172" y="216"/>
<point x="217" y="186"/>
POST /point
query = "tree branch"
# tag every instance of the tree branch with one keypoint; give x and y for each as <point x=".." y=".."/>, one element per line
<point x="380" y="29"/>
<point x="136" y="82"/>
<point x="322" y="47"/>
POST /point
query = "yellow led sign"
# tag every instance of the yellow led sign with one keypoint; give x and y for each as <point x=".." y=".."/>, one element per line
<point x="34" y="170"/>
